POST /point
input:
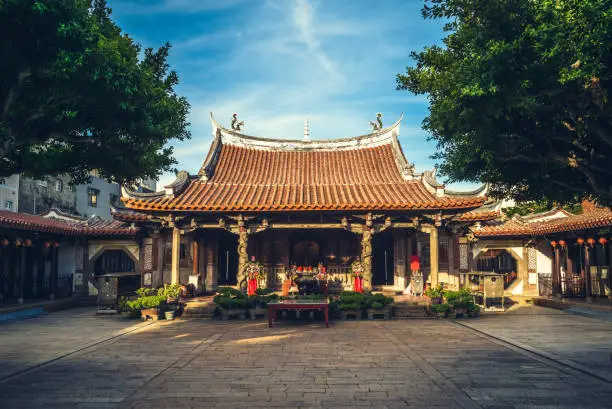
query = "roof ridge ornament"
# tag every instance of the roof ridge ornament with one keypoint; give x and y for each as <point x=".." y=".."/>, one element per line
<point x="236" y="125"/>
<point x="378" y="125"/>
<point x="306" y="131"/>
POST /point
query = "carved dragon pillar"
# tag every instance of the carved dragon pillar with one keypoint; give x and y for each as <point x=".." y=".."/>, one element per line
<point x="366" y="253"/>
<point x="243" y="256"/>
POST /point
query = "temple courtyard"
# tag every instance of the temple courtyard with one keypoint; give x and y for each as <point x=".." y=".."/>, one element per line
<point x="528" y="357"/>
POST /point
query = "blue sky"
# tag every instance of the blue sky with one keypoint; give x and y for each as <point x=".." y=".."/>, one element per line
<point x="278" y="62"/>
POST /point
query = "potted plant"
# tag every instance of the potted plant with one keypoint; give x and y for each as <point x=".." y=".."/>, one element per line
<point x="124" y="307"/>
<point x="259" y="303"/>
<point x="440" y="310"/>
<point x="231" y="302"/>
<point x="351" y="304"/>
<point x="378" y="305"/>
<point x="435" y="294"/>
<point x="473" y="310"/>
<point x="170" y="311"/>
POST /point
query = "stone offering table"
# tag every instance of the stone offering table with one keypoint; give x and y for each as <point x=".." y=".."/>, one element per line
<point x="300" y="305"/>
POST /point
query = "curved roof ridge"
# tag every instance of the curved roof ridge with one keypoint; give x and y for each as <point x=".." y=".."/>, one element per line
<point x="372" y="139"/>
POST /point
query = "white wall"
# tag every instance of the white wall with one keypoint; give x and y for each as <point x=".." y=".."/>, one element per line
<point x="545" y="257"/>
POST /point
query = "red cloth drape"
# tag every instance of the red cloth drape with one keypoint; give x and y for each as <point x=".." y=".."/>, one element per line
<point x="358" y="285"/>
<point x="252" y="286"/>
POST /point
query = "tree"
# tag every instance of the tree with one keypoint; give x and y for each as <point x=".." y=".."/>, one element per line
<point x="76" y="97"/>
<point x="519" y="96"/>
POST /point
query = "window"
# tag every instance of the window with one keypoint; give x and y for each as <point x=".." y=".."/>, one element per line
<point x="42" y="183"/>
<point x="92" y="195"/>
<point x="59" y="185"/>
<point x="113" y="198"/>
<point x="2" y="181"/>
<point x="8" y="205"/>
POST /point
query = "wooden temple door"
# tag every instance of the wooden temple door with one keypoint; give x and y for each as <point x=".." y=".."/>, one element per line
<point x="228" y="259"/>
<point x="383" y="270"/>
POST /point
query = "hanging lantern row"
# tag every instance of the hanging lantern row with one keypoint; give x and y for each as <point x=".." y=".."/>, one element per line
<point x="590" y="241"/>
<point x="28" y="243"/>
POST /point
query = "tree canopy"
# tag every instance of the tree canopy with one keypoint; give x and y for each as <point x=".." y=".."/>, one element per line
<point x="519" y="96"/>
<point x="76" y="94"/>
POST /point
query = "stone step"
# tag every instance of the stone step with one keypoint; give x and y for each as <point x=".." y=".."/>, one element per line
<point x="199" y="308"/>
<point x="405" y="310"/>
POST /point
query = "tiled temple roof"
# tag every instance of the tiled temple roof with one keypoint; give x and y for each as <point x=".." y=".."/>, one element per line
<point x="556" y="221"/>
<point x="64" y="226"/>
<point x="243" y="173"/>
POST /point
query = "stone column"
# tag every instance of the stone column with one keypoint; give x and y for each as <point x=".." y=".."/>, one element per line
<point x="176" y="255"/>
<point x="556" y="275"/>
<point x="587" y="273"/>
<point x="399" y="260"/>
<point x="243" y="256"/>
<point x="146" y="255"/>
<point x="22" y="273"/>
<point x="161" y="249"/>
<point x="433" y="256"/>
<point x="366" y="257"/>
<point x="195" y="270"/>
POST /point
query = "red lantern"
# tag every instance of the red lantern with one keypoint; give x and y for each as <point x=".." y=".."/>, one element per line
<point x="591" y="241"/>
<point x="300" y="269"/>
<point x="28" y="242"/>
<point x="323" y="269"/>
<point x="5" y="242"/>
<point x="47" y="244"/>
<point x="56" y="244"/>
<point x="553" y="243"/>
<point x="562" y="243"/>
<point x="253" y="258"/>
<point x="602" y="240"/>
<point x="415" y="263"/>
<point x="580" y="241"/>
<point x="18" y="242"/>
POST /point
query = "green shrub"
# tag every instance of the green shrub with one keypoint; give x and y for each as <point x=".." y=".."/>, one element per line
<point x="230" y="292"/>
<point x="435" y="292"/>
<point x="123" y="305"/>
<point x="377" y="305"/>
<point x="442" y="309"/>
<point x="263" y="291"/>
<point x="240" y="303"/>
<point x="145" y="292"/>
<point x="350" y="306"/>
<point x="262" y="300"/>
<point x="352" y="297"/>
<point x="222" y="301"/>
<point x="169" y="291"/>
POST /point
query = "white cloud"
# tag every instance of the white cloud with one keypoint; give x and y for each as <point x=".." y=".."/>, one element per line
<point x="334" y="66"/>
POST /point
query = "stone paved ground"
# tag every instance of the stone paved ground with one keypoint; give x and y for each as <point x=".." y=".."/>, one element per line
<point x="411" y="363"/>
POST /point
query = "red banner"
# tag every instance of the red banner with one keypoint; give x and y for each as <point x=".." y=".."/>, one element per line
<point x="252" y="286"/>
<point x="358" y="285"/>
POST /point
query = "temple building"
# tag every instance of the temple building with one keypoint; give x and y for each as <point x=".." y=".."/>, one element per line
<point x="553" y="253"/>
<point x="304" y="202"/>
